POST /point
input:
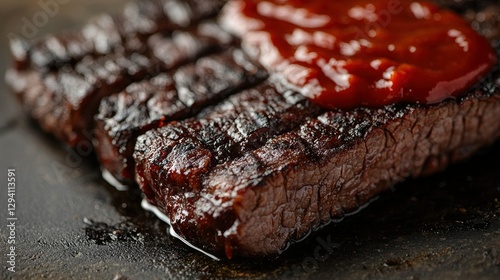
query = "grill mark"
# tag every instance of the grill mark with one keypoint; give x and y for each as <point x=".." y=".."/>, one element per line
<point x="189" y="89"/>
<point x="64" y="101"/>
<point x="267" y="112"/>
<point x="74" y="100"/>
<point x="180" y="150"/>
<point x="183" y="46"/>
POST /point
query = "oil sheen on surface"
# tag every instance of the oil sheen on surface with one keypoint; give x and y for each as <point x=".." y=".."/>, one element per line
<point x="347" y="54"/>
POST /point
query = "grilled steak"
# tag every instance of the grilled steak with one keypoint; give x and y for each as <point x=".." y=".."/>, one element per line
<point x="153" y="103"/>
<point x="240" y="163"/>
<point x="64" y="101"/>
<point x="250" y="191"/>
<point x="60" y="80"/>
<point x="105" y="34"/>
<point x="242" y="179"/>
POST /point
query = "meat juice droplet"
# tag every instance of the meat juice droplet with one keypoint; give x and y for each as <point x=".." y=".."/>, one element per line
<point x="110" y="179"/>
<point x="153" y="209"/>
<point x="348" y="54"/>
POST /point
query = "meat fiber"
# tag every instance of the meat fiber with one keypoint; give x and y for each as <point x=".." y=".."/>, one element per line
<point x="164" y="98"/>
<point x="240" y="164"/>
<point x="240" y="183"/>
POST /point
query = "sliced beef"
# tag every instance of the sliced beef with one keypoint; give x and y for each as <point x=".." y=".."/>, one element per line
<point x="64" y="101"/>
<point x="246" y="120"/>
<point x="254" y="202"/>
<point x="240" y="166"/>
<point x="106" y="34"/>
<point x="180" y="47"/>
<point x="153" y="16"/>
<point x="164" y="98"/>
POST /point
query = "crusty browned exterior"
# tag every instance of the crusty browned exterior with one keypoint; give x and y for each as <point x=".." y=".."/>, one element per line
<point x="61" y="79"/>
<point x="255" y="165"/>
<point x="164" y="98"/>
<point x="256" y="202"/>
<point x="235" y="181"/>
<point x="106" y="34"/>
<point x="64" y="101"/>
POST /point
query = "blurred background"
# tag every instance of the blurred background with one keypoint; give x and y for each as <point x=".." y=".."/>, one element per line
<point x="32" y="19"/>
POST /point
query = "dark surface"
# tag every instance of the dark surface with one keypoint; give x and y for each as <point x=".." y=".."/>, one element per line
<point x="72" y="224"/>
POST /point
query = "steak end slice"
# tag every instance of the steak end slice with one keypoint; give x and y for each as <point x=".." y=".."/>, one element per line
<point x="255" y="204"/>
<point x="258" y="167"/>
<point x="64" y="101"/>
<point x="253" y="199"/>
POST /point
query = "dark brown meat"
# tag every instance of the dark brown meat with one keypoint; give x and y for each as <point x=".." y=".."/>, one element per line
<point x="150" y="104"/>
<point x="105" y="34"/>
<point x="64" y="102"/>
<point x="61" y="79"/>
<point x="253" y="201"/>
<point x="153" y="16"/>
<point x="255" y="165"/>
<point x="180" y="47"/>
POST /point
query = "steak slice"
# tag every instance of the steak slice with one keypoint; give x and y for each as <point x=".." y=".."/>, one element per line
<point x="254" y="202"/>
<point x="180" y="47"/>
<point x="64" y="101"/>
<point x="61" y="79"/>
<point x="106" y="34"/>
<point x="230" y="188"/>
<point x="264" y="166"/>
<point x="151" y="104"/>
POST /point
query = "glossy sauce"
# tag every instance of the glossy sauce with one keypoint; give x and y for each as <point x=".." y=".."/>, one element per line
<point x="347" y="54"/>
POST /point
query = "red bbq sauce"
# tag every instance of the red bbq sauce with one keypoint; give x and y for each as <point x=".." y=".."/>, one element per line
<point x="348" y="54"/>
